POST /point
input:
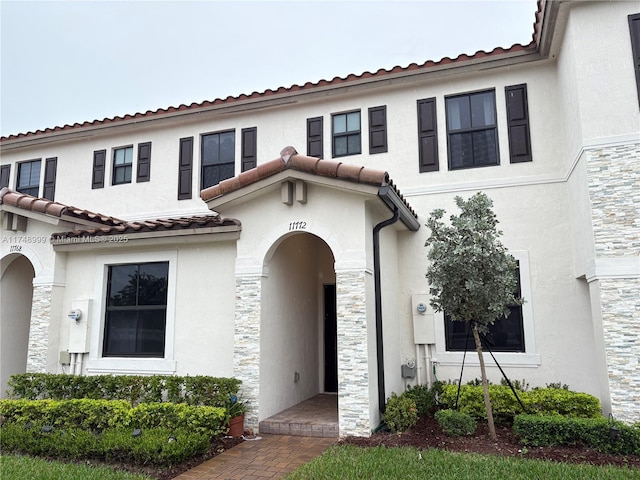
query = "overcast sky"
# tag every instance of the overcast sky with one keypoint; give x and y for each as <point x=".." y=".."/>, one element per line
<point x="73" y="61"/>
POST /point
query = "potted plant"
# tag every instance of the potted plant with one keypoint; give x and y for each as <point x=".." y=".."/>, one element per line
<point x="235" y="410"/>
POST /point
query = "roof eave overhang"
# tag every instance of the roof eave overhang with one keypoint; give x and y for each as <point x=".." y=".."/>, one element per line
<point x="119" y="240"/>
<point x="249" y="192"/>
<point x="391" y="199"/>
<point x="283" y="99"/>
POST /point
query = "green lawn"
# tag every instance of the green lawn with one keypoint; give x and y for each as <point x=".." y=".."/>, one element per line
<point x="16" y="467"/>
<point x="350" y="462"/>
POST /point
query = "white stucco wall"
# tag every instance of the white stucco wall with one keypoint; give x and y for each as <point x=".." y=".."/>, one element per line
<point x="200" y="309"/>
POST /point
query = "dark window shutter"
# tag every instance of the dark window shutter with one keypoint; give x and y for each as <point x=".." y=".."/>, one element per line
<point x="144" y="162"/>
<point x="378" y="129"/>
<point x="518" y="123"/>
<point x="185" y="170"/>
<point x="634" y="29"/>
<point x="50" y="167"/>
<point x="428" y="135"/>
<point x="314" y="137"/>
<point x="249" y="148"/>
<point x="99" y="164"/>
<point x="5" y="171"/>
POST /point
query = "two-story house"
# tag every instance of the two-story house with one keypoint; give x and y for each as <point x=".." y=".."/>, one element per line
<point x="278" y="237"/>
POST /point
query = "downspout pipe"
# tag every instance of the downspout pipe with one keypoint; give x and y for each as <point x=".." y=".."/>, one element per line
<point x="378" y="296"/>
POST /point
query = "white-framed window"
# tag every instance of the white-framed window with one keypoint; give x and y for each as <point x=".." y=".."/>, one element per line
<point x="134" y="333"/>
<point x="520" y="350"/>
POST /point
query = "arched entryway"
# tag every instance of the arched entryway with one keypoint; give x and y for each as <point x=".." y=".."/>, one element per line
<point x="297" y="328"/>
<point x="16" y="295"/>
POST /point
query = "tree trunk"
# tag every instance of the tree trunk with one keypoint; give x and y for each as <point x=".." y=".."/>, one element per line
<point x="485" y="385"/>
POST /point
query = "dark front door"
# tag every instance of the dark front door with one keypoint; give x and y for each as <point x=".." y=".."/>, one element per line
<point x="330" y="340"/>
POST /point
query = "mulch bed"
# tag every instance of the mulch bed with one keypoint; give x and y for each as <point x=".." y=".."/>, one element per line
<point x="428" y="434"/>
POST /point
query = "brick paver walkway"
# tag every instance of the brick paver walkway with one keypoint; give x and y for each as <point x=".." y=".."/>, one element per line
<point x="273" y="456"/>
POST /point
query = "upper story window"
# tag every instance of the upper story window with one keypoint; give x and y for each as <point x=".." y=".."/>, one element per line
<point x="28" y="180"/>
<point x="346" y="134"/>
<point x="471" y="130"/>
<point x="217" y="157"/>
<point x="136" y="310"/>
<point x="122" y="165"/>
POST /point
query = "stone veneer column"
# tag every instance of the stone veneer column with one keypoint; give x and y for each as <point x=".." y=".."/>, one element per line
<point x="353" y="368"/>
<point x="614" y="193"/>
<point x="39" y="329"/>
<point x="246" y="346"/>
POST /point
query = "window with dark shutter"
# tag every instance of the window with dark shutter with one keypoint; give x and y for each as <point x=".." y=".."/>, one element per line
<point x="634" y="28"/>
<point x="427" y="135"/>
<point x="122" y="165"/>
<point x="378" y="129"/>
<point x="518" y="122"/>
<point x="315" y="145"/>
<point x="249" y="148"/>
<point x="5" y="171"/>
<point x="185" y="170"/>
<point x="346" y="134"/>
<point x="144" y="162"/>
<point x="472" y="132"/>
<point x="217" y="157"/>
<point x="50" y="167"/>
<point x="28" y="180"/>
<point x="99" y="163"/>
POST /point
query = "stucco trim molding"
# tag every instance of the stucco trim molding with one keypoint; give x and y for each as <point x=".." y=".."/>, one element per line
<point x="613" y="267"/>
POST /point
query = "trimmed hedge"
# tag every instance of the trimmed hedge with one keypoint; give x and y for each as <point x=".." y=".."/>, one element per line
<point x="152" y="447"/>
<point x="506" y="407"/>
<point x="96" y="415"/>
<point x="540" y="430"/>
<point x="135" y="389"/>
<point x="455" y="423"/>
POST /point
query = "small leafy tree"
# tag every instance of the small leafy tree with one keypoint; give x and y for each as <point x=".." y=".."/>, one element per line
<point x="471" y="275"/>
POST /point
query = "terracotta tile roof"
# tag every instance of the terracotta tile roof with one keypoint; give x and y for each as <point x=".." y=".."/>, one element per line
<point x="55" y="209"/>
<point x="159" y="225"/>
<point x="290" y="159"/>
<point x="379" y="74"/>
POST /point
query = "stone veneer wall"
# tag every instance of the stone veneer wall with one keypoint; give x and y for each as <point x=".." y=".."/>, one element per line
<point x="246" y="345"/>
<point x="620" y="300"/>
<point x="39" y="329"/>
<point x="353" y="369"/>
<point x="614" y="191"/>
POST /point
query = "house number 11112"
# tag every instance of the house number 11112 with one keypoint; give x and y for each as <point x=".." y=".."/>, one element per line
<point x="297" y="226"/>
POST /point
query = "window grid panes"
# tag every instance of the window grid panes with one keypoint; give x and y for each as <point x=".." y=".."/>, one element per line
<point x="346" y="134"/>
<point x="29" y="177"/>
<point x="136" y="310"/>
<point x="218" y="157"/>
<point x="122" y="165"/>
<point x="472" y="132"/>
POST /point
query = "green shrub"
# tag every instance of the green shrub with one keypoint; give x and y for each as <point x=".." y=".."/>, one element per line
<point x="551" y="430"/>
<point x="455" y="423"/>
<point x="96" y="415"/>
<point x="401" y="413"/>
<point x="86" y="414"/>
<point x="153" y="447"/>
<point x="424" y="397"/>
<point x="506" y="406"/>
<point x="200" y="419"/>
<point x="563" y="402"/>
<point x="136" y="389"/>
